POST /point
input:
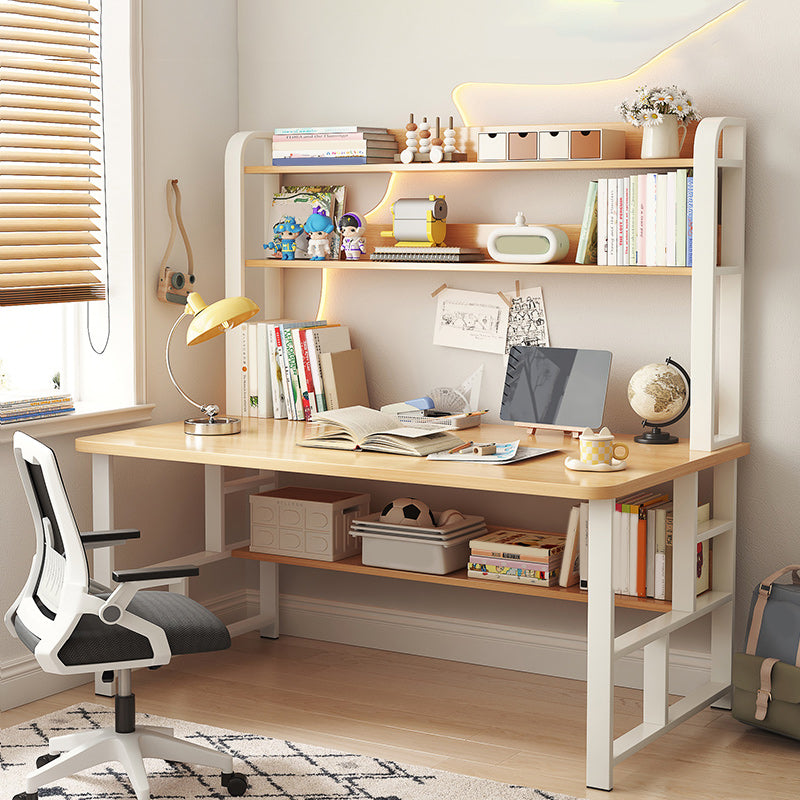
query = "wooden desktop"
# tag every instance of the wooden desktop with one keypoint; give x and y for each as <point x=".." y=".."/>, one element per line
<point x="270" y="445"/>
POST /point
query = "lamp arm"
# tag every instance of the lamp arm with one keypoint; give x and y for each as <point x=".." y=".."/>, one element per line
<point x="211" y="410"/>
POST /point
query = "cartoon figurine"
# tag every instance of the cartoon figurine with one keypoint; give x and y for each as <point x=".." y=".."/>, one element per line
<point x="351" y="228"/>
<point x="319" y="228"/>
<point x="288" y="229"/>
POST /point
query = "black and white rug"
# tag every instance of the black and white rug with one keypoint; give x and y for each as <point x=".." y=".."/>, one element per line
<point x="275" y="769"/>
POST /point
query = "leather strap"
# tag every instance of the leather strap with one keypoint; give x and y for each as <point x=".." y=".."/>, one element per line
<point x="764" y="591"/>
<point x="175" y="219"/>
<point x="764" y="694"/>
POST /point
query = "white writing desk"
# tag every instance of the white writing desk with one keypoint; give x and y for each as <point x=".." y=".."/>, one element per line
<point x="270" y="445"/>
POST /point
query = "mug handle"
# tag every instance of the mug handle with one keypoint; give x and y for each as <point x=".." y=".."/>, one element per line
<point x="683" y="129"/>
<point x="614" y="450"/>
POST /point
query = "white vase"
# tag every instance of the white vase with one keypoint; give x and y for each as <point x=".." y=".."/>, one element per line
<point x="663" y="140"/>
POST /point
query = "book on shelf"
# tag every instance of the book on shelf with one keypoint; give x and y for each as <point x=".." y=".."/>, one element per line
<point x="520" y="545"/>
<point x="583" y="545"/>
<point x="612" y="222"/>
<point x="362" y="428"/>
<point x="650" y="221"/>
<point x="689" y="219"/>
<point x="263" y="382"/>
<point x="321" y="340"/>
<point x="252" y="370"/>
<point x="296" y="153"/>
<point x="703" y="576"/>
<point x="331" y="129"/>
<point x="587" y="241"/>
<point x="602" y="222"/>
<point x="681" y="221"/>
<point x="330" y="161"/>
<point x="569" y="573"/>
<point x="487" y="570"/>
<point x="344" y="382"/>
<point x="333" y="137"/>
<point x="442" y="253"/>
<point x="332" y="147"/>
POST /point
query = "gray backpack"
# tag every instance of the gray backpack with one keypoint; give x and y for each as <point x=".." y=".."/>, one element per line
<point x="766" y="677"/>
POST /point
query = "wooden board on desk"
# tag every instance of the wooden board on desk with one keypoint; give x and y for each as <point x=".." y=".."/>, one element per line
<point x="271" y="445"/>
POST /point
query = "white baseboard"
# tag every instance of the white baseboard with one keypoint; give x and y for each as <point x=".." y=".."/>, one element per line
<point x="23" y="681"/>
<point x="490" y="644"/>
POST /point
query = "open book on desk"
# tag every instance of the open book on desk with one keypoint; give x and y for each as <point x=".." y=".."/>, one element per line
<point x="362" y="428"/>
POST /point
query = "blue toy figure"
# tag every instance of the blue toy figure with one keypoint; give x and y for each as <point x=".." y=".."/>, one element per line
<point x="319" y="228"/>
<point x="351" y="227"/>
<point x="288" y="229"/>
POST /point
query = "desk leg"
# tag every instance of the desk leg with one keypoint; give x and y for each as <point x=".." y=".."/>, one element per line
<point x="269" y="597"/>
<point x="600" y="649"/>
<point x="102" y="557"/>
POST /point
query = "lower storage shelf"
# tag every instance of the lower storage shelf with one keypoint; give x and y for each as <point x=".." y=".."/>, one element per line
<point x="458" y="578"/>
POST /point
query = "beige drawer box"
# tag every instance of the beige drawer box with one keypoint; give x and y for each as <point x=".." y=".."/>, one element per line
<point x="306" y="522"/>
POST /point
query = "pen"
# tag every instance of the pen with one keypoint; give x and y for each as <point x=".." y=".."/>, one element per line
<point x="470" y="414"/>
<point x="460" y="447"/>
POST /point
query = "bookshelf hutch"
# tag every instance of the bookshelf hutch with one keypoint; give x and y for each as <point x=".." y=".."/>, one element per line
<point x="717" y="156"/>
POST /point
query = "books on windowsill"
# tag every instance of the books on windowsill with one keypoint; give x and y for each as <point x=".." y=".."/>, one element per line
<point x="21" y="408"/>
<point x="361" y="428"/>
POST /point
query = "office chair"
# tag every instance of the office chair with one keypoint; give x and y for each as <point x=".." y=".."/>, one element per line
<point x="74" y="625"/>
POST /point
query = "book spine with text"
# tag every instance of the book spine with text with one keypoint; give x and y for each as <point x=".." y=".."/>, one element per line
<point x="278" y="401"/>
<point x="602" y="222"/>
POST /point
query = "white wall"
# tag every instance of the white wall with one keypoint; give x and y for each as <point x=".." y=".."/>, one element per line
<point x="372" y="64"/>
<point x="189" y="112"/>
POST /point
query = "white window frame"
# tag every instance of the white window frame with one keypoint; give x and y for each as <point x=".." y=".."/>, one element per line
<point x="124" y="363"/>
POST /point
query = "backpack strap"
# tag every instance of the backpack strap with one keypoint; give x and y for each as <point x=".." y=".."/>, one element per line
<point x="764" y="591"/>
<point x="764" y="694"/>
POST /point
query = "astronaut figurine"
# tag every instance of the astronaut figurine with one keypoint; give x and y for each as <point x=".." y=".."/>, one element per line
<point x="351" y="228"/>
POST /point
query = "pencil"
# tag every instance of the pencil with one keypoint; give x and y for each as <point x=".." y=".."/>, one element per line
<point x="460" y="447"/>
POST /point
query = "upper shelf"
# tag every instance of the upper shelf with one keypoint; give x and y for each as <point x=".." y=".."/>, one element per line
<point x="481" y="166"/>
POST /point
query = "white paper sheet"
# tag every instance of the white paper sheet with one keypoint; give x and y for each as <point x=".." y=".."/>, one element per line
<point x="471" y="321"/>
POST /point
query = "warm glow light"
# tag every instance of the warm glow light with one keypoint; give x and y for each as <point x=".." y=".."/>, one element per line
<point x="323" y="294"/>
<point x="692" y="34"/>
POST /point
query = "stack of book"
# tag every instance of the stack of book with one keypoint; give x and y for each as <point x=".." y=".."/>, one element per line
<point x="294" y="369"/>
<point x="517" y="556"/>
<point x="26" y="408"/>
<point x="642" y="220"/>
<point x="325" y="146"/>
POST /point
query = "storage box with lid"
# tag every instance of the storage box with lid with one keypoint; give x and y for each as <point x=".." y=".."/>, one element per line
<point x="306" y="522"/>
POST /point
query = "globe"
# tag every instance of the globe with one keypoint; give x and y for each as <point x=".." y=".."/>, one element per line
<point x="659" y="394"/>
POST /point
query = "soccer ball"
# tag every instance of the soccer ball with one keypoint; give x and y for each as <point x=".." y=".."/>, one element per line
<point x="407" y="511"/>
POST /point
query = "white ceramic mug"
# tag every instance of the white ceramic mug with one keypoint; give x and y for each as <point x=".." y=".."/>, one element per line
<point x="600" y="448"/>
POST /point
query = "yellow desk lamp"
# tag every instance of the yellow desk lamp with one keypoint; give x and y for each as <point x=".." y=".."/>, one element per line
<point x="208" y="322"/>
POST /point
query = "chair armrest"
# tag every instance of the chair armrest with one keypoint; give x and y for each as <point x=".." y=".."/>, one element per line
<point x="154" y="573"/>
<point x="131" y="580"/>
<point x="94" y="539"/>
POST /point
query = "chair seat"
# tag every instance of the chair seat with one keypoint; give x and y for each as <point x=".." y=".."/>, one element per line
<point x="189" y="628"/>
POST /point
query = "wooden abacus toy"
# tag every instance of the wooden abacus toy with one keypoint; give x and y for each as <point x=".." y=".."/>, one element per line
<point x="421" y="146"/>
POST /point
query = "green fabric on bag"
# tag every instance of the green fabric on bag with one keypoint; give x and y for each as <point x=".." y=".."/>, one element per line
<point x="783" y="712"/>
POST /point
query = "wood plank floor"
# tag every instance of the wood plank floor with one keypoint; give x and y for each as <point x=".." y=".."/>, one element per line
<point x="483" y="721"/>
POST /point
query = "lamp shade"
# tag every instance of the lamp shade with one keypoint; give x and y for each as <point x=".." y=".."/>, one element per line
<point x="210" y="321"/>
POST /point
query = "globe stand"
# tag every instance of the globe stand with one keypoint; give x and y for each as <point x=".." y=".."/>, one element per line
<point x="655" y="435"/>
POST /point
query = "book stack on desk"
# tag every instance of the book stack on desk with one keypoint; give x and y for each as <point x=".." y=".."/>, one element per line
<point x="517" y="556"/>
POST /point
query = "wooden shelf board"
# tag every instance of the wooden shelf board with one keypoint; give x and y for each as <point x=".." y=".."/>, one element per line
<point x="469" y="266"/>
<point x="457" y="578"/>
<point x="478" y="166"/>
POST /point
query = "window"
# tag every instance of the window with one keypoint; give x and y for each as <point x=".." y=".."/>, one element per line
<point x="61" y="145"/>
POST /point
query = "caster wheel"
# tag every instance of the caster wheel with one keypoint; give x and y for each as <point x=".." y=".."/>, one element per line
<point x="46" y="759"/>
<point x="235" y="783"/>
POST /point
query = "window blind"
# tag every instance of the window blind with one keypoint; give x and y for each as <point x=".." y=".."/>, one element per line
<point x="50" y="152"/>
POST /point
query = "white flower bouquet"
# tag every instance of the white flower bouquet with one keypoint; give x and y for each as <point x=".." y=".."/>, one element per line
<point x="651" y="104"/>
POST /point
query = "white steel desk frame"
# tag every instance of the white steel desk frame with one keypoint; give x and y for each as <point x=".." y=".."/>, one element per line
<point x="604" y="648"/>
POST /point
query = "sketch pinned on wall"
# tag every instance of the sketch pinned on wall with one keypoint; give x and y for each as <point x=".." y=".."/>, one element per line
<point x="527" y="323"/>
<point x="471" y="321"/>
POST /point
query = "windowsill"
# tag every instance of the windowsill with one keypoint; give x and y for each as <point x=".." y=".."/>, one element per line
<point x="86" y="417"/>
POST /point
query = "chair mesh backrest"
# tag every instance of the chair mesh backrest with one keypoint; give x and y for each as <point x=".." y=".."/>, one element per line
<point x="49" y="582"/>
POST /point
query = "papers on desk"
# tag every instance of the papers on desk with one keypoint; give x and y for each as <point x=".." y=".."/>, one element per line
<point x="505" y="453"/>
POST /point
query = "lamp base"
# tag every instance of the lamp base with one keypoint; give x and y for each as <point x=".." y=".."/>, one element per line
<point x="212" y="426"/>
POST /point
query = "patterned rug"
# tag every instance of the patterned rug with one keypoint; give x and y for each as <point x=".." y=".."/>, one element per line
<point x="275" y="769"/>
